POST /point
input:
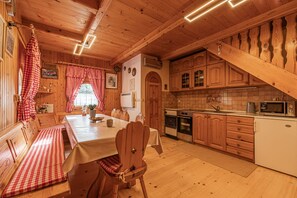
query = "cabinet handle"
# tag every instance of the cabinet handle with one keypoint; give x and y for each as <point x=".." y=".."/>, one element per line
<point x="238" y="129"/>
<point x="238" y="152"/>
<point x="239" y="136"/>
<point x="288" y="126"/>
<point x="238" y="121"/>
<point x="238" y="145"/>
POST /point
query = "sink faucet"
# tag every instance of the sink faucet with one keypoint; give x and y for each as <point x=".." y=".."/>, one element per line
<point x="216" y="108"/>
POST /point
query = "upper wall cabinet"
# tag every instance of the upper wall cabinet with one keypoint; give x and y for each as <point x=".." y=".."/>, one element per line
<point x="213" y="59"/>
<point x="216" y="75"/>
<point x="235" y="76"/>
<point x="199" y="59"/>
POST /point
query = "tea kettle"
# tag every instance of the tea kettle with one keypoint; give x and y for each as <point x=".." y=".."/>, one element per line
<point x="250" y="107"/>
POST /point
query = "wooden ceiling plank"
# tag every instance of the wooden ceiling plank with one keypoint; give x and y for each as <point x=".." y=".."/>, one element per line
<point x="283" y="10"/>
<point x="96" y="19"/>
<point x="265" y="71"/>
<point x="166" y="27"/>
<point x="53" y="30"/>
<point x="91" y="5"/>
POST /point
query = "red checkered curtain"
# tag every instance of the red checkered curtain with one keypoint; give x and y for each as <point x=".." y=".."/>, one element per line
<point x="75" y="76"/>
<point x="97" y="80"/>
<point x="31" y="81"/>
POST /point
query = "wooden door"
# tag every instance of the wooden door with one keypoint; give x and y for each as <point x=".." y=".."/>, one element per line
<point x="200" y="128"/>
<point x="153" y="101"/>
<point x="236" y="77"/>
<point x="216" y="75"/>
<point x="216" y="131"/>
<point x="199" y="77"/>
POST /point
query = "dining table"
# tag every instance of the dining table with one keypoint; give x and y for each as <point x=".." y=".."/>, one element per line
<point x="91" y="141"/>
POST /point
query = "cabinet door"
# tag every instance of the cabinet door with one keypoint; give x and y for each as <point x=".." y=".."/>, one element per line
<point x="212" y="59"/>
<point x="174" y="82"/>
<point x="199" y="59"/>
<point x="236" y="77"/>
<point x="200" y="128"/>
<point x="216" y="132"/>
<point x="185" y="79"/>
<point x="175" y="66"/>
<point x="216" y="75"/>
<point x="199" y="77"/>
<point x="256" y="81"/>
<point x="186" y="63"/>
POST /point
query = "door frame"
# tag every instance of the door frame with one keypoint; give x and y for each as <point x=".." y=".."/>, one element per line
<point x="153" y="74"/>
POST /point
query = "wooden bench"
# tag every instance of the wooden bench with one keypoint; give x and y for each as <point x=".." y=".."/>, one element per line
<point x="40" y="161"/>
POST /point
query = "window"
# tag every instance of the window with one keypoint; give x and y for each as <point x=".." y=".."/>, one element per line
<point x="85" y="96"/>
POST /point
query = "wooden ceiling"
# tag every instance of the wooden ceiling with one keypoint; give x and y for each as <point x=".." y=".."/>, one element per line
<point x="127" y="27"/>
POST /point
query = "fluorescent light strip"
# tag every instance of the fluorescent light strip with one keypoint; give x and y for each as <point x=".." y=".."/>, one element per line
<point x="93" y="37"/>
<point x="80" y="51"/>
<point x="220" y="2"/>
<point x="236" y="4"/>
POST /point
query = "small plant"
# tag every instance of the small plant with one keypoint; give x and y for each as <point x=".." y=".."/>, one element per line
<point x="92" y="106"/>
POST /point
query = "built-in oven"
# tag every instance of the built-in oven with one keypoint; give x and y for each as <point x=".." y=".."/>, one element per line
<point x="171" y="123"/>
<point x="184" y="125"/>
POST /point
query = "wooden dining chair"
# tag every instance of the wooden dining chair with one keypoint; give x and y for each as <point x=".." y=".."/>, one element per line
<point x="140" y="118"/>
<point x="127" y="165"/>
<point x="118" y="113"/>
<point x="125" y="116"/>
<point x="113" y="112"/>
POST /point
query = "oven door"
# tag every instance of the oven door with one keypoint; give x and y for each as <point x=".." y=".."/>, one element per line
<point x="184" y="125"/>
<point x="171" y="125"/>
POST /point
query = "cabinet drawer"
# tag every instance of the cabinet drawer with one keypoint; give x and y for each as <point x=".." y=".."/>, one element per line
<point x="240" y="128"/>
<point x="240" y="120"/>
<point x="240" y="136"/>
<point x="240" y="152"/>
<point x="240" y="144"/>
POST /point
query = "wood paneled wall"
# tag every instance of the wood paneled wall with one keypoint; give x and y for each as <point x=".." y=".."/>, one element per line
<point x="8" y="78"/>
<point x="58" y="86"/>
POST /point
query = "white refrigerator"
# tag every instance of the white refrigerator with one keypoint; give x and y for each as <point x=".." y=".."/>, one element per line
<point x="276" y="144"/>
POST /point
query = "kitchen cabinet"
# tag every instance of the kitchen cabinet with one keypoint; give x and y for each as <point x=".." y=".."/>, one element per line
<point x="213" y="59"/>
<point x="174" y="82"/>
<point x="199" y="77"/>
<point x="215" y="75"/>
<point x="256" y="81"/>
<point x="186" y="80"/>
<point x="199" y="59"/>
<point x="240" y="136"/>
<point x="210" y="130"/>
<point x="236" y="77"/>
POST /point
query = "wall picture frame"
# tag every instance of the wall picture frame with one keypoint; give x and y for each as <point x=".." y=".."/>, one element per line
<point x="51" y="73"/>
<point x="2" y="33"/>
<point x="111" y="81"/>
<point x="9" y="41"/>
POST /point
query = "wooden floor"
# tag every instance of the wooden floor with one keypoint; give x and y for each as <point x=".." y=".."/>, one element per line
<point x="176" y="174"/>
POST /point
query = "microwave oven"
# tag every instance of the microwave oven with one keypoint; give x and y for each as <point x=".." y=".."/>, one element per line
<point x="278" y="108"/>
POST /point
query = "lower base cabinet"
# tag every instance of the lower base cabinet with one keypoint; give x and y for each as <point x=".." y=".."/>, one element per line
<point x="210" y="130"/>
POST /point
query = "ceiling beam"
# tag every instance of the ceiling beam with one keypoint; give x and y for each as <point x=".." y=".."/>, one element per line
<point x="271" y="74"/>
<point x="53" y="30"/>
<point x="166" y="27"/>
<point x="281" y="11"/>
<point x="96" y="19"/>
<point x="91" y="5"/>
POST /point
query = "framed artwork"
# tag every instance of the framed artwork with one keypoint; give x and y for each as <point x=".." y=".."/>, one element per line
<point x="111" y="81"/>
<point x="9" y="42"/>
<point x="2" y="27"/>
<point x="51" y="73"/>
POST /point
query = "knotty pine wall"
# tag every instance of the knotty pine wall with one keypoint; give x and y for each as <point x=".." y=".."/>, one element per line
<point x="58" y="86"/>
<point x="8" y="77"/>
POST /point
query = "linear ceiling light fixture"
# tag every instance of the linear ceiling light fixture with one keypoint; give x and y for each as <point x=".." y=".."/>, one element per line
<point x="78" y="49"/>
<point x="88" y="42"/>
<point x="209" y="6"/>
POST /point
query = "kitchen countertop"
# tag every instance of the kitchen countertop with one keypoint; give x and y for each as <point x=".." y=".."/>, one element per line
<point x="235" y="113"/>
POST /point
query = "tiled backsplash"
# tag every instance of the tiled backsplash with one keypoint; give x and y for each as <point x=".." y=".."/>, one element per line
<point x="230" y="99"/>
